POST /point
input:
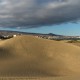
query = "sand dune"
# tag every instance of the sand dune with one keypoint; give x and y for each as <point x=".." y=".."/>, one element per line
<point x="31" y="56"/>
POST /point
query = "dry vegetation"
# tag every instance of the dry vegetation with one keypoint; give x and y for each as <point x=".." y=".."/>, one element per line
<point x="28" y="56"/>
<point x="74" y="42"/>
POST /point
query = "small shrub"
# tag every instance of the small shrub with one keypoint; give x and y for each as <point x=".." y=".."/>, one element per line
<point x="73" y="41"/>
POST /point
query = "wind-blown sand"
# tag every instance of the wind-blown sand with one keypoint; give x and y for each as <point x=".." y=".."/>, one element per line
<point x="28" y="56"/>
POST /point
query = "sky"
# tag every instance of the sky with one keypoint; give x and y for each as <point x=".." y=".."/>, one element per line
<point x="41" y="16"/>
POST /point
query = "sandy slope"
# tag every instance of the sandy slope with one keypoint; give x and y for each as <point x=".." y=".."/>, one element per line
<point x="31" y="56"/>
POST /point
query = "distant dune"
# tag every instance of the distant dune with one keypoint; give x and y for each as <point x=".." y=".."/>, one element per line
<point x="31" y="56"/>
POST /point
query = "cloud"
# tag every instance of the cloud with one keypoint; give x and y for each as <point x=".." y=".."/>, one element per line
<point x="36" y="13"/>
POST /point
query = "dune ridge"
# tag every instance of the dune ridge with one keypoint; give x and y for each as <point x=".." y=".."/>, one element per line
<point x="31" y="56"/>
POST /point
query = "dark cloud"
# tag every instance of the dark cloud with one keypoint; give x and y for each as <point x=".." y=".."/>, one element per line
<point x="36" y="13"/>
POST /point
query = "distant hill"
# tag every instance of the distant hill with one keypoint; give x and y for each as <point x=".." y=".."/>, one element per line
<point x="31" y="56"/>
<point x="5" y="32"/>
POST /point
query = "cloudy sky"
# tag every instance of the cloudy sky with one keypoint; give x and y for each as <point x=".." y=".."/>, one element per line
<point x="43" y="16"/>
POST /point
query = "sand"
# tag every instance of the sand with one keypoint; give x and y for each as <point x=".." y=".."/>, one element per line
<point x="28" y="56"/>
